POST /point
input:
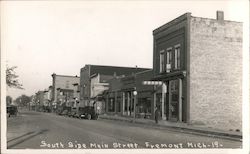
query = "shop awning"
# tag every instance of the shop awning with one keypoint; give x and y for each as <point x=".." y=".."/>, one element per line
<point x="170" y="76"/>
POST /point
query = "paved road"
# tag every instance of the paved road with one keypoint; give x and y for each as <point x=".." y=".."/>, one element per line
<point x="35" y="130"/>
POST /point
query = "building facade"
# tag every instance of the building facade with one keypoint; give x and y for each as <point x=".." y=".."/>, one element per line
<point x="199" y="60"/>
<point x="99" y="75"/>
<point x="133" y="95"/>
<point x="65" y="91"/>
<point x="137" y="97"/>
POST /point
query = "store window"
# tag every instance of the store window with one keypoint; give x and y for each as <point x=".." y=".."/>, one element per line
<point x="161" y="61"/>
<point x="111" y="105"/>
<point x="177" y="53"/>
<point x="144" y="107"/>
<point x="168" y="59"/>
<point x="118" y="102"/>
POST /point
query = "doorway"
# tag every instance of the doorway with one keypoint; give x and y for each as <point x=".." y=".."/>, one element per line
<point x="174" y="100"/>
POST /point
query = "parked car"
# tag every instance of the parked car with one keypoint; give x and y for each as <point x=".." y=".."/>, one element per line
<point x="71" y="113"/>
<point x="12" y="110"/>
<point x="64" y="112"/>
<point x="87" y="112"/>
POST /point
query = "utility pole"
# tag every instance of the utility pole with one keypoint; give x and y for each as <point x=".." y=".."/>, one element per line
<point x="135" y="94"/>
<point x="135" y="101"/>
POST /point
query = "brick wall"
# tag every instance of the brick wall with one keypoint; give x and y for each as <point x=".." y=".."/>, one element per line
<point x="216" y="73"/>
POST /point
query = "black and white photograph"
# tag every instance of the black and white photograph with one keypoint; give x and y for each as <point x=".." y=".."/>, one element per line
<point x="125" y="76"/>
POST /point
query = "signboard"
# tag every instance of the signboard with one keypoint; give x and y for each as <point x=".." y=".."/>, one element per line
<point x="152" y="83"/>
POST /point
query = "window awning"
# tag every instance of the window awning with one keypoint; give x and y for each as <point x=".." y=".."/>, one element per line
<point x="170" y="76"/>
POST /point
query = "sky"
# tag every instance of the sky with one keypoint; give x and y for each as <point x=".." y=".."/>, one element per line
<point x="45" y="37"/>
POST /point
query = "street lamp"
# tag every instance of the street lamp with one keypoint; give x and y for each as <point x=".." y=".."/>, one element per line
<point x="134" y="93"/>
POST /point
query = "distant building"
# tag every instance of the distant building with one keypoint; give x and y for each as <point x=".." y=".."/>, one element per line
<point x="93" y="80"/>
<point x="199" y="60"/>
<point x="76" y="95"/>
<point x="63" y="90"/>
<point x="40" y="101"/>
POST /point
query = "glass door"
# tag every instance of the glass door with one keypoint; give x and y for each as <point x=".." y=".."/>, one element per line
<point x="174" y="100"/>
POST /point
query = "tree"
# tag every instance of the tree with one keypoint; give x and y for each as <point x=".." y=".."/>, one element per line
<point x="12" y="78"/>
<point x="8" y="100"/>
<point x="23" y="100"/>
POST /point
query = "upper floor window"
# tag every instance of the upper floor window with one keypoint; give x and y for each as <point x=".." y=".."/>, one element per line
<point x="161" y="61"/>
<point x="177" y="55"/>
<point x="168" y="59"/>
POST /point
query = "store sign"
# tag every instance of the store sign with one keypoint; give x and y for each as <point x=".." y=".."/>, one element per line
<point x="153" y="83"/>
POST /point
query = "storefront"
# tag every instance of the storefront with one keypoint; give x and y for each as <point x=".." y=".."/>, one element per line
<point x="171" y="100"/>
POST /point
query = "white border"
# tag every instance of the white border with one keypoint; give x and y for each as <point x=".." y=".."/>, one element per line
<point x="245" y="113"/>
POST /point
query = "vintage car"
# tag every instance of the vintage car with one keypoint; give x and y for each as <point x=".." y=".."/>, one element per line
<point x="12" y="110"/>
<point x="87" y="112"/>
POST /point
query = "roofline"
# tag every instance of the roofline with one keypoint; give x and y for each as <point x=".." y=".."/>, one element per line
<point x="217" y="19"/>
<point x="144" y="71"/>
<point x="181" y="18"/>
<point x="172" y="22"/>
<point x="133" y="75"/>
<point x="94" y="75"/>
<point x="115" y="66"/>
<point x="66" y="76"/>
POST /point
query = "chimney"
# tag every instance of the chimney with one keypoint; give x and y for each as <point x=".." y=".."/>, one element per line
<point x="219" y="15"/>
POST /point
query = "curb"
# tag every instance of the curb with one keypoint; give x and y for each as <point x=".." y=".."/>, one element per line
<point x="220" y="135"/>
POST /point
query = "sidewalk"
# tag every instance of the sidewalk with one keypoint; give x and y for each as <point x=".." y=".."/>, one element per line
<point x="179" y="127"/>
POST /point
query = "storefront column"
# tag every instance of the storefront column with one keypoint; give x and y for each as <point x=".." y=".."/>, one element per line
<point x="154" y="103"/>
<point x="180" y="100"/>
<point x="169" y="100"/>
<point x="115" y="104"/>
<point x="123" y="103"/>
<point x="106" y="104"/>
<point x="128" y="104"/>
<point x="164" y="90"/>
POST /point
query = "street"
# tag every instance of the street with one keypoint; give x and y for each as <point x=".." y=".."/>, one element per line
<point x="37" y="130"/>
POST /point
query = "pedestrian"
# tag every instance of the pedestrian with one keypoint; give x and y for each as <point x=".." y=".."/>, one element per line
<point x="156" y="114"/>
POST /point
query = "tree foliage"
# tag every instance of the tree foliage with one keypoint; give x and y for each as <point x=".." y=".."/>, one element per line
<point x="23" y="100"/>
<point x="8" y="100"/>
<point x="12" y="78"/>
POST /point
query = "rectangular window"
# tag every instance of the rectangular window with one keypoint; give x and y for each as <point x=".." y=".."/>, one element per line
<point x="111" y="105"/>
<point x="118" y="101"/>
<point x="161" y="61"/>
<point x="168" y="59"/>
<point x="177" y="60"/>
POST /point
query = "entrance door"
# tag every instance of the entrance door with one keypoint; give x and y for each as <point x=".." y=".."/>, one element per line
<point x="159" y="103"/>
<point x="174" y="100"/>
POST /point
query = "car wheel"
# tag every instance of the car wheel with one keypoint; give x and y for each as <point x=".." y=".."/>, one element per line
<point x="89" y="116"/>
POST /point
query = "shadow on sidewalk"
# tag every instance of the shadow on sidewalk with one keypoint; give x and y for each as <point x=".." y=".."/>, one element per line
<point x="20" y="136"/>
<point x="24" y="138"/>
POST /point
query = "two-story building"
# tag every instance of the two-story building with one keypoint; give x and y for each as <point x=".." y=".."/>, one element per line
<point x="93" y="80"/>
<point x="199" y="60"/>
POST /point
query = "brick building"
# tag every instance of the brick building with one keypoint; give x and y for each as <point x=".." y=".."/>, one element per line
<point x="132" y="95"/>
<point x="93" y="80"/>
<point x="199" y="60"/>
